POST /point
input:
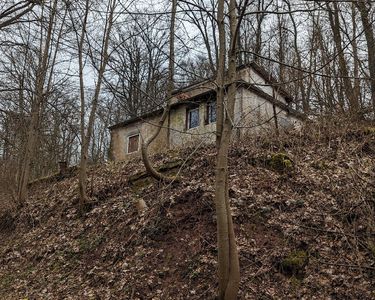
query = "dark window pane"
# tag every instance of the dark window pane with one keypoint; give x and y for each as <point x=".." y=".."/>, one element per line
<point x="211" y="112"/>
<point x="193" y="118"/>
<point x="133" y="143"/>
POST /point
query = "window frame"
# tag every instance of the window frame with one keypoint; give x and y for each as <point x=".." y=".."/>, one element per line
<point x="209" y="104"/>
<point x="188" y="118"/>
<point x="128" y="143"/>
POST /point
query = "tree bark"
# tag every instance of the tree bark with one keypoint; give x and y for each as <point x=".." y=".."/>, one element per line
<point x="37" y="102"/>
<point x="147" y="141"/>
<point x="370" y="39"/>
<point x="86" y="136"/>
<point x="229" y="270"/>
<point x="343" y="68"/>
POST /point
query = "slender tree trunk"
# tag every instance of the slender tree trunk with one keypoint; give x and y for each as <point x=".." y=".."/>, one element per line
<point x="229" y="270"/>
<point x="343" y="68"/>
<point x="357" y="86"/>
<point x="37" y="102"/>
<point x="370" y="39"/>
<point x="281" y="50"/>
<point x="86" y="136"/>
<point x="258" y="33"/>
<point x="24" y="174"/>
<point x="301" y="86"/>
<point x="147" y="141"/>
<point x="312" y="59"/>
<point x="220" y="81"/>
<point x="82" y="184"/>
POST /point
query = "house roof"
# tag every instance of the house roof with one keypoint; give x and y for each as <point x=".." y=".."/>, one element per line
<point x="241" y="83"/>
<point x="135" y="119"/>
<point x="257" y="68"/>
<point x="156" y="112"/>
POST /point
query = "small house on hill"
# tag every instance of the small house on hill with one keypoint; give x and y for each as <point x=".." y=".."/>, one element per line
<point x="260" y="103"/>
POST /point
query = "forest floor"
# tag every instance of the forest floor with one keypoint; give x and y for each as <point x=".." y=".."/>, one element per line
<point x="304" y="222"/>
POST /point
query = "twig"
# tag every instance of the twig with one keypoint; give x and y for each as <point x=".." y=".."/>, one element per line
<point x="330" y="231"/>
<point x="345" y="265"/>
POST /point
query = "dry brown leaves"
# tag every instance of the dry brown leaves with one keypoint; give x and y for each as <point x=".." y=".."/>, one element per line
<point x="323" y="207"/>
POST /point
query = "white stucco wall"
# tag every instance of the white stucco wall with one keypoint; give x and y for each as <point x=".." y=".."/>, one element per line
<point x="120" y="138"/>
<point x="253" y="113"/>
<point x="251" y="76"/>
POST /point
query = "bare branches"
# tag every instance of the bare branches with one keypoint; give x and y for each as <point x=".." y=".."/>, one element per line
<point x="15" y="11"/>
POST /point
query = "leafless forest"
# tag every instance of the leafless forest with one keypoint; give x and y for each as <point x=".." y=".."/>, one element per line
<point x="69" y="69"/>
<point x="322" y="51"/>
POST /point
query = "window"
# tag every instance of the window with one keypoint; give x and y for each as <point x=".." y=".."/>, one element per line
<point x="193" y="117"/>
<point x="211" y="112"/>
<point x="133" y="143"/>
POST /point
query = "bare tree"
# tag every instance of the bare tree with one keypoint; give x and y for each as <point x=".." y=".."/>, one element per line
<point x="147" y="141"/>
<point x="99" y="61"/>
<point x="229" y="271"/>
<point x="334" y="20"/>
<point x="137" y="71"/>
<point x="43" y="76"/>
<point x="370" y="39"/>
<point x="205" y="22"/>
<point x="11" y="14"/>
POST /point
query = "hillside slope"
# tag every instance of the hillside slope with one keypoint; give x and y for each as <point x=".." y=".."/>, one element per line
<point x="305" y="228"/>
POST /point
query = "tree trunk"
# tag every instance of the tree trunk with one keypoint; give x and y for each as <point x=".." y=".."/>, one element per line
<point x="24" y="173"/>
<point x="82" y="179"/>
<point x="147" y="141"/>
<point x="357" y="84"/>
<point x="86" y="136"/>
<point x="229" y="271"/>
<point x="281" y="49"/>
<point x="343" y="68"/>
<point x="301" y="86"/>
<point x="37" y="102"/>
<point x="370" y="39"/>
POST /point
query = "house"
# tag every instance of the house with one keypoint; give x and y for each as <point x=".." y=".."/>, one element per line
<point x="260" y="103"/>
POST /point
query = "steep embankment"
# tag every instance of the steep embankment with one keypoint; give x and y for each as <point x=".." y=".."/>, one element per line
<point x="305" y="228"/>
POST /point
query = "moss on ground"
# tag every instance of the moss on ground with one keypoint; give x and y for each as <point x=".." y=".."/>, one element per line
<point x="294" y="263"/>
<point x="281" y="162"/>
<point x="369" y="130"/>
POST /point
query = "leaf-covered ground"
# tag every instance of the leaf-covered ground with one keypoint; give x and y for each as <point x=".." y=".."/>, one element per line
<point x="305" y="229"/>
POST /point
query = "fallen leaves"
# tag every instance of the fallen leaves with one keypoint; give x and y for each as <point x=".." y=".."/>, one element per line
<point x="323" y="207"/>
